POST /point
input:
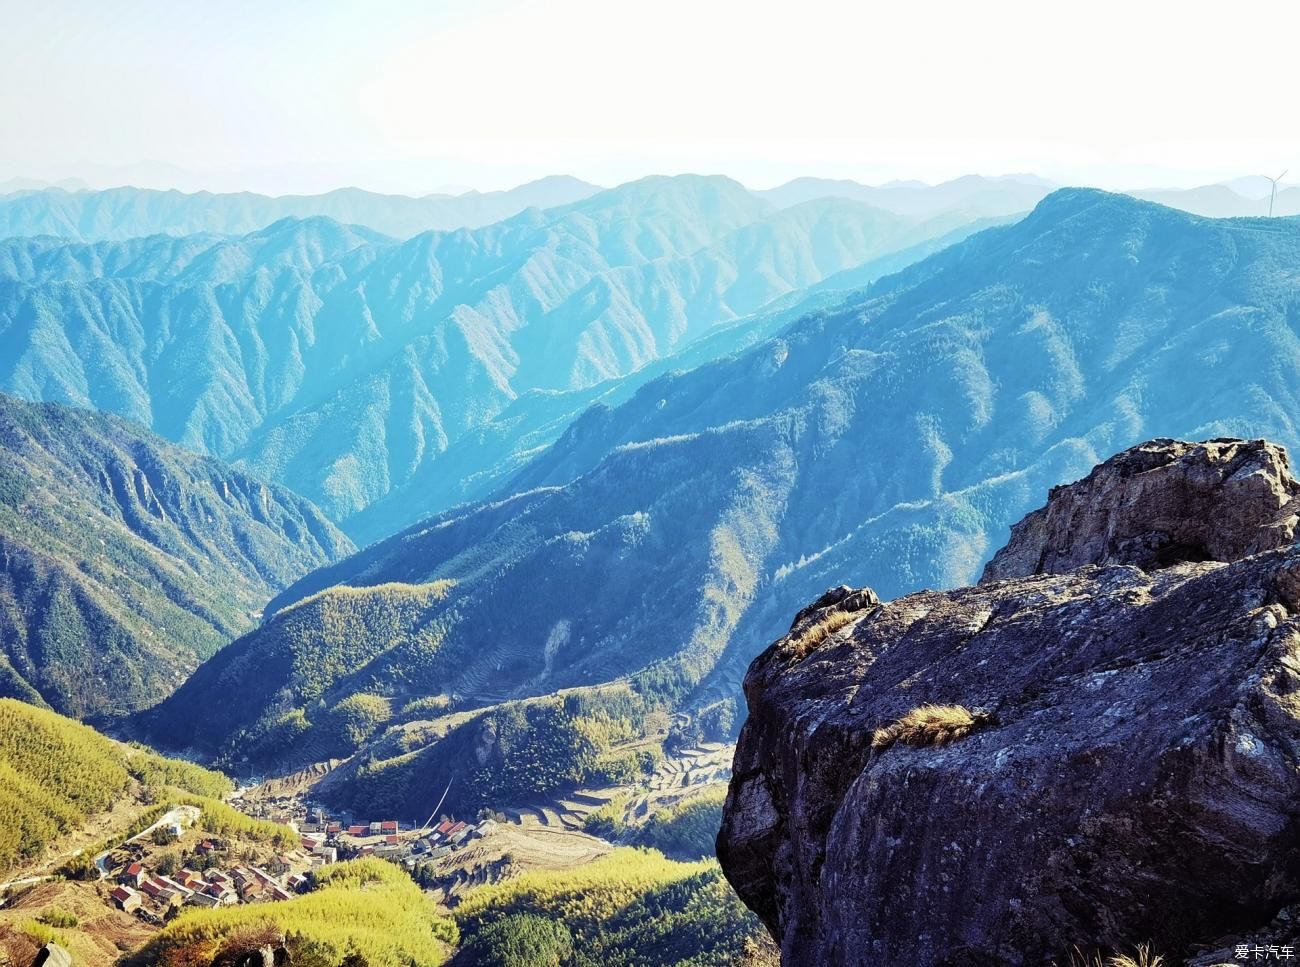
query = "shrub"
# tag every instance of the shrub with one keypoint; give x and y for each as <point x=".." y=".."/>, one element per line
<point x="929" y="725"/>
<point x="62" y="919"/>
<point x="760" y="951"/>
<point x="40" y="933"/>
<point x="163" y="836"/>
<point x="1142" y="957"/>
<point x="80" y="867"/>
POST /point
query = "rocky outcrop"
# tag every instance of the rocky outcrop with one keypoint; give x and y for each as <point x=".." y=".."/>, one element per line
<point x="1161" y="503"/>
<point x="258" y="946"/>
<point x="52" y="955"/>
<point x="1124" y="765"/>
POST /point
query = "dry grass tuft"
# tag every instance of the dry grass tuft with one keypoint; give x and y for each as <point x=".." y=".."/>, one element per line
<point x="812" y="637"/>
<point x="929" y="725"/>
<point x="1141" y="957"/>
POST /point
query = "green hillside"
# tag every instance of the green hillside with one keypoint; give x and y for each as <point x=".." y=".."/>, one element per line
<point x="125" y="560"/>
<point x="509" y="753"/>
<point x="55" y="774"/>
<point x="633" y="908"/>
<point x="315" y="681"/>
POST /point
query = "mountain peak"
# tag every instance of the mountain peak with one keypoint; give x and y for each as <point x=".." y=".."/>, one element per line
<point x="679" y="188"/>
<point x="1071" y="202"/>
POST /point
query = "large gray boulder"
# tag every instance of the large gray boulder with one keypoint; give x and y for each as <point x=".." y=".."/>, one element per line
<point x="1115" y="756"/>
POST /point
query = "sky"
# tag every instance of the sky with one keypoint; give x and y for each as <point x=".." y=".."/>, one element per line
<point x="285" y="96"/>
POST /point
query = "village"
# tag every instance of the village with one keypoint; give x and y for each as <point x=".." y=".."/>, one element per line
<point x="178" y="865"/>
<point x="156" y="876"/>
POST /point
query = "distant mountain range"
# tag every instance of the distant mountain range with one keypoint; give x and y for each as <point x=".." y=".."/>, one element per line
<point x="116" y="214"/>
<point x="29" y="207"/>
<point x="125" y="560"/>
<point x="891" y="441"/>
<point x="1222" y="201"/>
<point x="990" y="197"/>
<point x="976" y="195"/>
<point x="344" y="363"/>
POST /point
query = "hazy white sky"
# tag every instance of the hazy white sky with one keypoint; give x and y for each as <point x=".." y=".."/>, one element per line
<point x="402" y="95"/>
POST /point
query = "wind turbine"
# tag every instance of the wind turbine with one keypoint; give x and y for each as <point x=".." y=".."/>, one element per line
<point x="1273" y="196"/>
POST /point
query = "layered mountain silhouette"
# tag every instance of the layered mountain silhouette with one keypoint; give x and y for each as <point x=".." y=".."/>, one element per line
<point x="123" y="213"/>
<point x="984" y="196"/>
<point x="1222" y="201"/>
<point x="890" y="440"/>
<point x="344" y="363"/>
<point x="978" y="195"/>
<point x="29" y="207"/>
<point x="125" y="560"/>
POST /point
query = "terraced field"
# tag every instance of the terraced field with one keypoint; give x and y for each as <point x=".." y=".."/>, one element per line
<point x="689" y="769"/>
<point x="512" y="848"/>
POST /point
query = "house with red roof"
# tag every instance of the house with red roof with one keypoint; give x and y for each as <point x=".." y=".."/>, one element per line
<point x="126" y="898"/>
<point x="222" y="893"/>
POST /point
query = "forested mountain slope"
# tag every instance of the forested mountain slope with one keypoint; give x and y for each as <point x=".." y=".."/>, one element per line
<point x="125" y="560"/>
<point x="891" y="440"/>
<point x="344" y="363"/>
